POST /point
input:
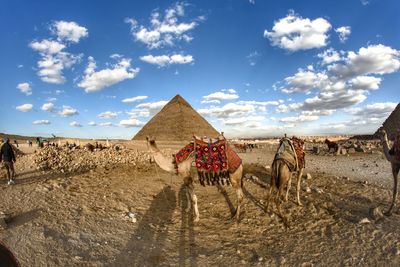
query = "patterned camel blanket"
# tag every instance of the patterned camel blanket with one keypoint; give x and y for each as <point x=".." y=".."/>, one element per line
<point x="213" y="160"/>
<point x="286" y="152"/>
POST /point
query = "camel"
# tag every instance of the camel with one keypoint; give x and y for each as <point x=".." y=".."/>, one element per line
<point x="395" y="162"/>
<point x="183" y="170"/>
<point x="331" y="145"/>
<point x="241" y="147"/>
<point x="281" y="175"/>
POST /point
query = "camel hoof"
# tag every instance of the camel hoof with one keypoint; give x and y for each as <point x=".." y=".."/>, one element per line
<point x="300" y="204"/>
<point x="187" y="210"/>
<point x="197" y="219"/>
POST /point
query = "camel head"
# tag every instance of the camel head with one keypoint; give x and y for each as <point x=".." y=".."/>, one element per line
<point x="151" y="143"/>
<point x="326" y="141"/>
<point x="382" y="133"/>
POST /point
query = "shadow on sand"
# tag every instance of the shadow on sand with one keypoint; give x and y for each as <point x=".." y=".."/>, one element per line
<point x="187" y="245"/>
<point x="146" y="246"/>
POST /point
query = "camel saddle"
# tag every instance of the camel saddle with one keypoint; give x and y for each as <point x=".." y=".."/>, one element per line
<point x="214" y="159"/>
<point x="292" y="153"/>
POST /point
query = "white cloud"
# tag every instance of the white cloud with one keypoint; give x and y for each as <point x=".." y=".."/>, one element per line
<point x="53" y="60"/>
<point x="134" y="99"/>
<point x="245" y="121"/>
<point x="92" y="123"/>
<point x="41" y="122"/>
<point x="69" y="31"/>
<point x="164" y="31"/>
<point x="67" y="111"/>
<point x="25" y="107"/>
<point x="300" y="118"/>
<point x="228" y="110"/>
<point x="106" y="124"/>
<point x="334" y="100"/>
<point x="75" y="124"/>
<point x="252" y="2"/>
<point x="259" y="103"/>
<point x="365" y="119"/>
<point x="253" y="58"/>
<point x="108" y="115"/>
<point x="138" y="113"/>
<point x="329" y="56"/>
<point x="48" y="107"/>
<point x="365" y="2"/>
<point x="220" y="96"/>
<point x="165" y="60"/>
<point x="365" y="83"/>
<point x="343" y="84"/>
<point x="94" y="81"/>
<point x="343" y="33"/>
<point x="295" y="33"/>
<point x="131" y="123"/>
<point x="47" y="47"/>
<point x="282" y="108"/>
<point x="25" y="88"/>
<point x="152" y="107"/>
<point x="51" y="99"/>
<point x="377" y="110"/>
<point x="374" y="59"/>
<point x="304" y="82"/>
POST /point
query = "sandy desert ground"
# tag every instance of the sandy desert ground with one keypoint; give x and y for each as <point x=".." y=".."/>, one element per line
<point x="120" y="215"/>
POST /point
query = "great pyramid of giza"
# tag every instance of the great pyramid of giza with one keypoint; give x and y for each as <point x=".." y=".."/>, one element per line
<point x="392" y="123"/>
<point x="177" y="121"/>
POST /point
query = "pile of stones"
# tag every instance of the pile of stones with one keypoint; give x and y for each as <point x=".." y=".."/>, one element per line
<point x="67" y="160"/>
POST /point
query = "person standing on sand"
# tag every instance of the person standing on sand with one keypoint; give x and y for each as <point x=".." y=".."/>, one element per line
<point x="8" y="157"/>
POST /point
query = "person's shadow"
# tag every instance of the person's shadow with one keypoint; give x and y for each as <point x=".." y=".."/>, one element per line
<point x="187" y="245"/>
<point x="145" y="248"/>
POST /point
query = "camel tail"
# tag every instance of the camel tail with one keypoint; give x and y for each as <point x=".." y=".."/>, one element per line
<point x="275" y="174"/>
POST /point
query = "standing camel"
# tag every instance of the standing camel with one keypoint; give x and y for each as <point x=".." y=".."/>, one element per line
<point x="281" y="172"/>
<point x="183" y="170"/>
<point x="394" y="158"/>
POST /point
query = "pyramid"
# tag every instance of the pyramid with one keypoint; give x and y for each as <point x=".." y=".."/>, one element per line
<point x="392" y="123"/>
<point x="177" y="121"/>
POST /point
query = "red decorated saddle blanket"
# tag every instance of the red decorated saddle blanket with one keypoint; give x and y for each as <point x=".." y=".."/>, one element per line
<point x="211" y="157"/>
<point x="213" y="160"/>
<point x="184" y="153"/>
<point x="234" y="161"/>
<point x="298" y="148"/>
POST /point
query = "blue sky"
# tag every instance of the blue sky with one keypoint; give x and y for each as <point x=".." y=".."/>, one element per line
<point x="101" y="69"/>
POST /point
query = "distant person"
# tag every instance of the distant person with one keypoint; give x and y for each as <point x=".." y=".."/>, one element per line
<point x="16" y="143"/>
<point x="30" y="143"/>
<point x="8" y="157"/>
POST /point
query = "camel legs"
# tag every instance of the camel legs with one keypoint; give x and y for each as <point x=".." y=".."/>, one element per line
<point x="288" y="188"/>
<point x="395" y="171"/>
<point x="236" y="181"/>
<point x="269" y="196"/>
<point x="191" y="197"/>
<point x="299" y="175"/>
<point x="239" y="195"/>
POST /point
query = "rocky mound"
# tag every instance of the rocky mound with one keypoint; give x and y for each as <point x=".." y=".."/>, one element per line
<point x="75" y="160"/>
